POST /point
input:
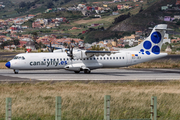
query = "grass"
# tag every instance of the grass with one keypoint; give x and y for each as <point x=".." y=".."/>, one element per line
<point x="158" y="64"/>
<point x="84" y="101"/>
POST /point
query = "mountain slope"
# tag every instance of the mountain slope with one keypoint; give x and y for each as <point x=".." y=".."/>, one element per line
<point x="144" y="19"/>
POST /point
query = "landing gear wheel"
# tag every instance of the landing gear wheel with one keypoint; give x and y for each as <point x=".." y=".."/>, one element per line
<point x="77" y="71"/>
<point x="87" y="71"/>
<point x="16" y="71"/>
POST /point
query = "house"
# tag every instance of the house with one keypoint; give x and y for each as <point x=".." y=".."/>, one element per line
<point x="167" y="18"/>
<point x="105" y="5"/>
<point x="177" y="17"/>
<point x="164" y="7"/>
<point x="30" y="16"/>
<point x="98" y="16"/>
<point x="177" y="2"/>
<point x="166" y="39"/>
<point x="126" y="6"/>
<point x="120" y="7"/>
<point x="36" y="24"/>
<point x="115" y="13"/>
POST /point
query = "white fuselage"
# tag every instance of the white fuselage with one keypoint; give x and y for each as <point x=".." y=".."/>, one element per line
<point x="42" y="61"/>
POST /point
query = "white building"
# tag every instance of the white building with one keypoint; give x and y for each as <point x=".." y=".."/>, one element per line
<point x="166" y="38"/>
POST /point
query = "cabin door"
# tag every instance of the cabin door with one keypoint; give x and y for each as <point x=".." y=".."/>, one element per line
<point x="129" y="58"/>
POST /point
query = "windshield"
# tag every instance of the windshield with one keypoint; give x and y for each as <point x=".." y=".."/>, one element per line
<point x="19" y="57"/>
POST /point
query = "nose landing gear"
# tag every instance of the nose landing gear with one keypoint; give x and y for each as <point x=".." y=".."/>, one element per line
<point x="16" y="71"/>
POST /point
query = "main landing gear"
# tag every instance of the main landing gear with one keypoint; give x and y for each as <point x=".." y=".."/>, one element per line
<point x="86" y="71"/>
<point x="77" y="71"/>
<point x="16" y="71"/>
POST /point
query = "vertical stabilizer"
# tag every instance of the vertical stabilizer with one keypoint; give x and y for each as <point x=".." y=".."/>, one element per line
<point x="153" y="43"/>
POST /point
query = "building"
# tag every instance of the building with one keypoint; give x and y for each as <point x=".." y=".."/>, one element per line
<point x="120" y="7"/>
<point x="177" y="2"/>
<point x="166" y="39"/>
<point x="30" y="45"/>
<point x="167" y="18"/>
<point x="164" y="7"/>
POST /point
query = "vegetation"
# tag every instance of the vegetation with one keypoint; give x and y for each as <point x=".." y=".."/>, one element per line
<point x="85" y="101"/>
<point x="158" y="64"/>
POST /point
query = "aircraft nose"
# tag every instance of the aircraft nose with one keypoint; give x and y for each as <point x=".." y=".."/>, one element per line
<point x="8" y="64"/>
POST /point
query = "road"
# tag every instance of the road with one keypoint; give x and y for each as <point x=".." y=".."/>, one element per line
<point x="97" y="75"/>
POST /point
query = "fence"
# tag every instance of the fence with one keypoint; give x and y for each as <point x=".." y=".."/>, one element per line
<point x="107" y="115"/>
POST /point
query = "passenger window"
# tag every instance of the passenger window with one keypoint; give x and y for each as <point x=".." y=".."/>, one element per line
<point x="104" y="58"/>
<point x="97" y="58"/>
<point x="60" y="59"/>
<point x="90" y="58"/>
<point x="119" y="57"/>
<point x="107" y="58"/>
<point x="67" y="59"/>
<point x="110" y="57"/>
<point x="94" y="58"/>
<point x="84" y="59"/>
<point x="113" y="57"/>
<point x="44" y="59"/>
<point x="57" y="59"/>
<point x="47" y="59"/>
<point x="123" y="57"/>
<point x="116" y="57"/>
<point x="87" y="58"/>
<point x="101" y="58"/>
<point x="64" y="59"/>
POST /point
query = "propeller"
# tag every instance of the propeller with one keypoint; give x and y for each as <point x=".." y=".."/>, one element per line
<point x="70" y="54"/>
<point x="51" y="49"/>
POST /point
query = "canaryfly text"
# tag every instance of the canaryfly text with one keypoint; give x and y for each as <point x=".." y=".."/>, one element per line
<point x="48" y="62"/>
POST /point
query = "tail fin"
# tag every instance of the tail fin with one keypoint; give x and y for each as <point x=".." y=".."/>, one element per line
<point x="153" y="43"/>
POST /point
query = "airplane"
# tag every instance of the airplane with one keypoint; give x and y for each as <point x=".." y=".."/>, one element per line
<point x="85" y="60"/>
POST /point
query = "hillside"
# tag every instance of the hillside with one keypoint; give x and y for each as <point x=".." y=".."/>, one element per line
<point x="146" y="18"/>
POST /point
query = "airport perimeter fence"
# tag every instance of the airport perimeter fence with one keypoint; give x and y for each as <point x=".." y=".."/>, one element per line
<point x="107" y="115"/>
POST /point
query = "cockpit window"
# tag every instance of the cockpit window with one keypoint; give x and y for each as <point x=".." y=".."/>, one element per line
<point x="19" y="57"/>
<point x="16" y="57"/>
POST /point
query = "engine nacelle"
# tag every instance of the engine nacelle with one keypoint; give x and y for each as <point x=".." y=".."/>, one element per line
<point x="73" y="67"/>
<point x="81" y="54"/>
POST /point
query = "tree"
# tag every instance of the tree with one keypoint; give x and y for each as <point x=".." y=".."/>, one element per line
<point x="65" y="44"/>
<point x="115" y="8"/>
<point x="141" y="9"/>
<point x="22" y="4"/>
<point x="84" y="1"/>
<point x="178" y="23"/>
<point x="16" y="42"/>
<point x="50" y="4"/>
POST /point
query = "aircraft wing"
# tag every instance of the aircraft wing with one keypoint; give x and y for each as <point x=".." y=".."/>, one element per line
<point x="98" y="53"/>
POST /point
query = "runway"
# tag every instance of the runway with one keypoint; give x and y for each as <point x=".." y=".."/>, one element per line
<point x="96" y="75"/>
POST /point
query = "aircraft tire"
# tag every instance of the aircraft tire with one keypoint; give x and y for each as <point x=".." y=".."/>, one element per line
<point x="77" y="71"/>
<point x="87" y="71"/>
<point x="16" y="72"/>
